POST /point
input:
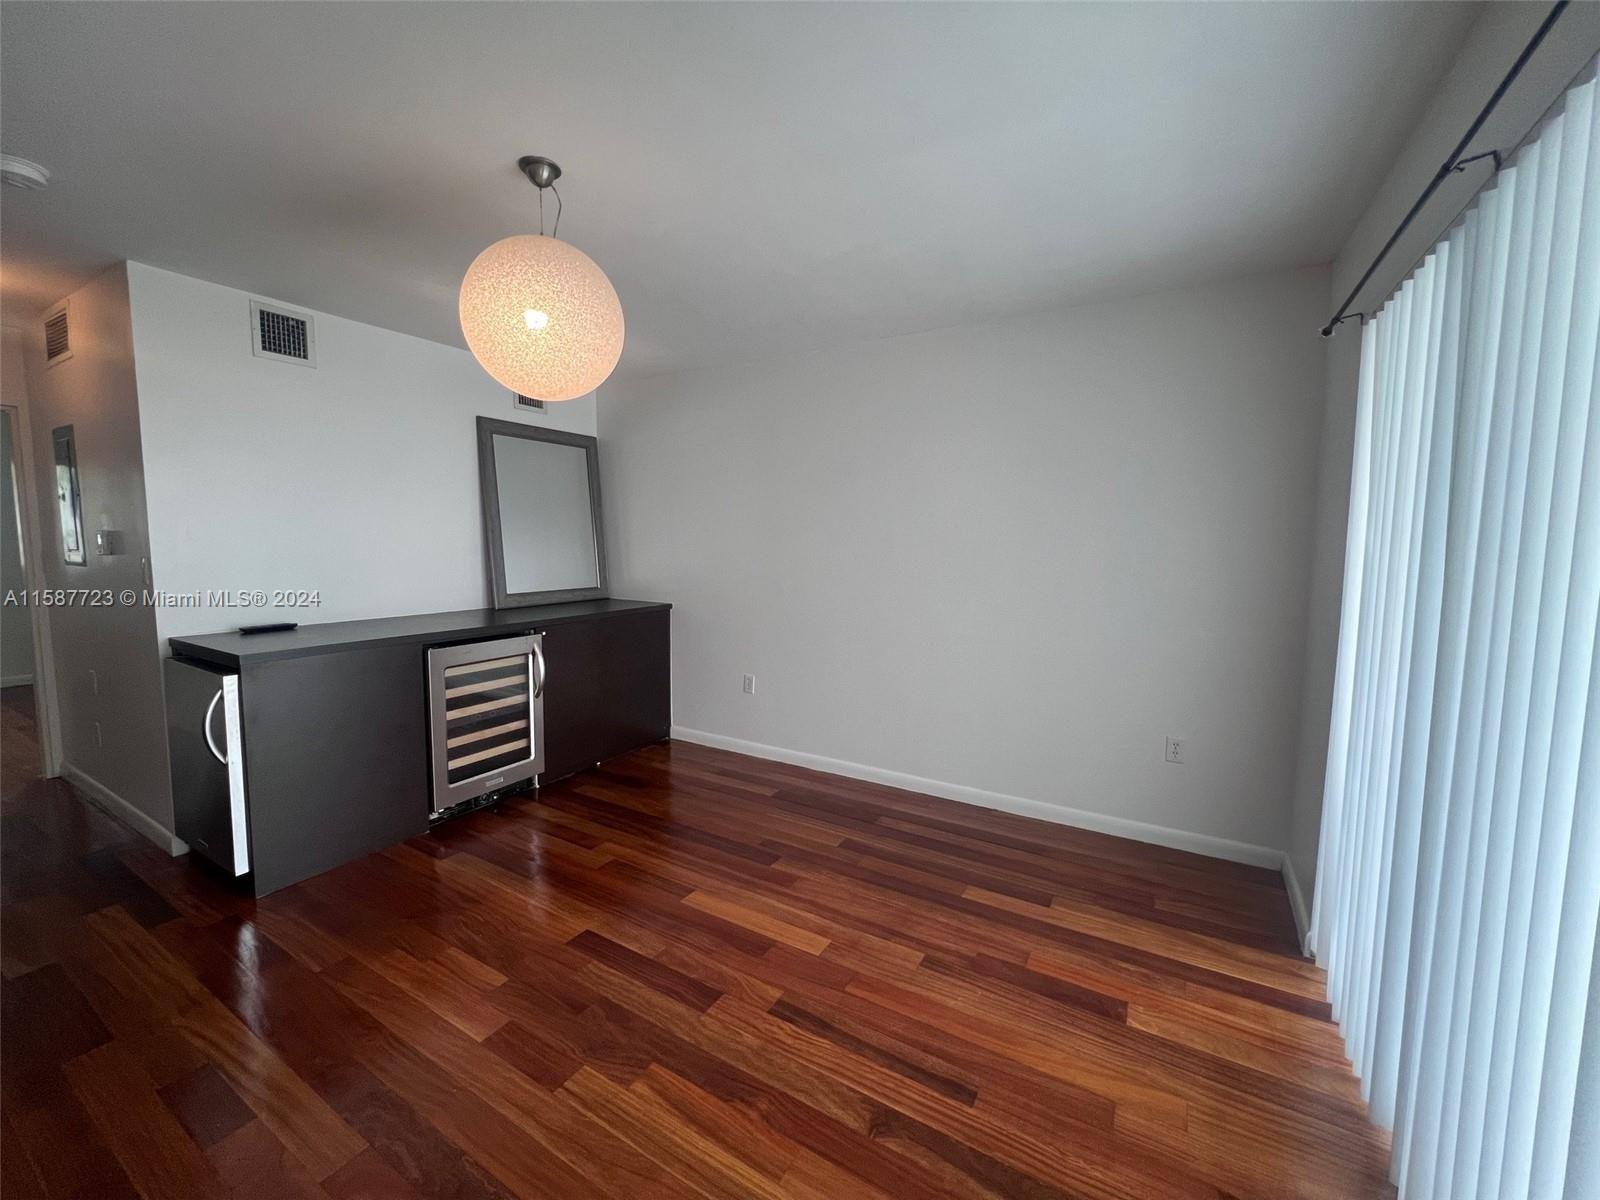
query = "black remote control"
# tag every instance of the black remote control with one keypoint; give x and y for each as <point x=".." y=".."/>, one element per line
<point x="279" y="627"/>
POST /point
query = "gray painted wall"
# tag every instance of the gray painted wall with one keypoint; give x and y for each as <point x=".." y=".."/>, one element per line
<point x="1010" y="557"/>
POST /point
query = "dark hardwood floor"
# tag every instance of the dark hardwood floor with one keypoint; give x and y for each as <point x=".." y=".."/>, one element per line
<point x="688" y="973"/>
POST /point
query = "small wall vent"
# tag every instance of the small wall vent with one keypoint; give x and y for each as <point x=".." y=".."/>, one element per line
<point x="527" y="403"/>
<point x="57" y="337"/>
<point x="282" y="334"/>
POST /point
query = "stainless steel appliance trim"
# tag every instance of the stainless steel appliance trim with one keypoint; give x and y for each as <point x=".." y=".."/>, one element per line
<point x="233" y="725"/>
<point x="526" y="649"/>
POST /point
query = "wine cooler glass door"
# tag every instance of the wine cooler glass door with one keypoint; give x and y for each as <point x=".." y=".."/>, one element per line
<point x="486" y="714"/>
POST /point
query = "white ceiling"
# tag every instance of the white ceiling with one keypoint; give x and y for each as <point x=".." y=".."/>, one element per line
<point x="753" y="177"/>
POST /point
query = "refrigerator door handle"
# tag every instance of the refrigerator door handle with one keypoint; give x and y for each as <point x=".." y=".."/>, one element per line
<point x="205" y="724"/>
<point x="536" y="666"/>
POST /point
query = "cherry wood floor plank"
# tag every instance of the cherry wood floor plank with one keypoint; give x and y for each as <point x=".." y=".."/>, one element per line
<point x="19" y="1177"/>
<point x="557" y="1127"/>
<point x="206" y="1106"/>
<point x="61" y="1025"/>
<point x="737" y="1130"/>
<point x="254" y="1165"/>
<point x="71" y="1155"/>
<point x="515" y="1162"/>
<point x="964" y="1093"/>
<point x="368" y="1177"/>
<point x="647" y="970"/>
<point x="992" y="920"/>
<point x="322" y="1036"/>
<point x="753" y="919"/>
<point x="641" y="1120"/>
<point x="793" y="1099"/>
<point x="278" y="1095"/>
<point x="283" y="1100"/>
<point x="153" y="1148"/>
<point x="443" y="990"/>
<point x="410" y="1146"/>
<point x="683" y="974"/>
<point x="906" y="1105"/>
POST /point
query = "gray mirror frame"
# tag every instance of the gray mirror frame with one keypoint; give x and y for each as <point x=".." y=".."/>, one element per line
<point x="488" y="485"/>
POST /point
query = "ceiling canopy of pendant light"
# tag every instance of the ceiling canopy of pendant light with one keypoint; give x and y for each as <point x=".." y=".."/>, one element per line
<point x="537" y="313"/>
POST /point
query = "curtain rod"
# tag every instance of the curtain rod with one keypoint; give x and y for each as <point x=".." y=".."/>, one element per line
<point x="1451" y="165"/>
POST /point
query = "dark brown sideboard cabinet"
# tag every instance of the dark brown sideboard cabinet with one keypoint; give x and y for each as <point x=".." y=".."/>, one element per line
<point x="297" y="751"/>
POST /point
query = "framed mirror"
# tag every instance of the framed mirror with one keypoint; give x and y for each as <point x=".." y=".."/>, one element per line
<point x="541" y="514"/>
<point x="69" y="500"/>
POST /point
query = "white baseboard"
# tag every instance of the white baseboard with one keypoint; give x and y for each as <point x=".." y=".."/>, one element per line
<point x="1139" y="831"/>
<point x="103" y="797"/>
<point x="15" y="680"/>
<point x="1297" y="902"/>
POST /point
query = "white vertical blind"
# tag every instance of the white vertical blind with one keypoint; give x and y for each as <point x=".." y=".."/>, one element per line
<point x="1458" y="885"/>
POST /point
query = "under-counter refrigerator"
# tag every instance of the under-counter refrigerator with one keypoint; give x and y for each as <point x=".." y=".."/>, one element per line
<point x="205" y="741"/>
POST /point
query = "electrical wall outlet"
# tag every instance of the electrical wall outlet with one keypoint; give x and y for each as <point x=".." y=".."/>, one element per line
<point x="1174" y="749"/>
<point x="749" y="685"/>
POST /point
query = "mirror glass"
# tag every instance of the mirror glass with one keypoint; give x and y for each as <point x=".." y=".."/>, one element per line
<point x="546" y="517"/>
<point x="68" y="501"/>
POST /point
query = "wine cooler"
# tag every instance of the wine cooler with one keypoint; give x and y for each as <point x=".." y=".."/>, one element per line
<point x="486" y="717"/>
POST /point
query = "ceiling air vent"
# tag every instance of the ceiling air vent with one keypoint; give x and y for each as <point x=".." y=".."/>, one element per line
<point x="57" y="343"/>
<point x="282" y="334"/>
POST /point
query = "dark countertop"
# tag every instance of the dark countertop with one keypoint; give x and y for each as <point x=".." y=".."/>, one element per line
<point x="239" y="650"/>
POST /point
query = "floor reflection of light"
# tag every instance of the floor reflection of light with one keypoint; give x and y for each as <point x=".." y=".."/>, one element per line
<point x="247" y="975"/>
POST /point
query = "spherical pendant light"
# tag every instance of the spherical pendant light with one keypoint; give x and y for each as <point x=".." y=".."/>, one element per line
<point x="538" y="314"/>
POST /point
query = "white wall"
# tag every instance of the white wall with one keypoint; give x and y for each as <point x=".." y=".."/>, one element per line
<point x="107" y="675"/>
<point x="1492" y="45"/>
<point x="1010" y="557"/>
<point x="357" y="479"/>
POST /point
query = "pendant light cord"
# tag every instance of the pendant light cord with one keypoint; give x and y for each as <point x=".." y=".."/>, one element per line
<point x="557" y="227"/>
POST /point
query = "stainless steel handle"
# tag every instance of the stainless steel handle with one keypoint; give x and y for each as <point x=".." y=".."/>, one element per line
<point x="536" y="665"/>
<point x="205" y="724"/>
